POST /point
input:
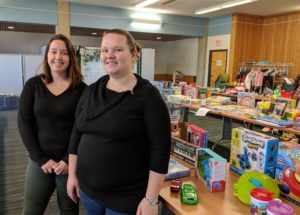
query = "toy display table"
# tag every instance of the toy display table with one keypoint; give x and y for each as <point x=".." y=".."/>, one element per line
<point x="209" y="203"/>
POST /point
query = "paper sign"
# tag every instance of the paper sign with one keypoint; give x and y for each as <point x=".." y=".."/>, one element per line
<point x="202" y="112"/>
<point x="218" y="42"/>
<point x="218" y="62"/>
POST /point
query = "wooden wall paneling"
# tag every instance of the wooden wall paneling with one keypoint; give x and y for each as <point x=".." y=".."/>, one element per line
<point x="281" y="40"/>
<point x="293" y="44"/>
<point x="278" y="46"/>
<point x="163" y="77"/>
<point x="274" y="38"/>
<point x="232" y="60"/>
<point x="246" y="40"/>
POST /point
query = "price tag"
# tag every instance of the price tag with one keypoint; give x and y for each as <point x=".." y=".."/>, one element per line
<point x="202" y="112"/>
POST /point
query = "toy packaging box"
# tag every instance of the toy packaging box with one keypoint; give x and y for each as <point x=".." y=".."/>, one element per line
<point x="288" y="170"/>
<point x="183" y="150"/>
<point x="253" y="151"/>
<point x="197" y="136"/>
<point x="165" y="92"/>
<point x="246" y="99"/>
<point x="193" y="92"/>
<point x="211" y="168"/>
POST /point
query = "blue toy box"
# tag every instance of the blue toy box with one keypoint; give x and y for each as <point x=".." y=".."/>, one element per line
<point x="211" y="168"/>
<point x="253" y="151"/>
<point x="288" y="170"/>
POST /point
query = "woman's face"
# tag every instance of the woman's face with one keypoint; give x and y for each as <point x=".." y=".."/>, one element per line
<point x="58" y="56"/>
<point x="116" y="57"/>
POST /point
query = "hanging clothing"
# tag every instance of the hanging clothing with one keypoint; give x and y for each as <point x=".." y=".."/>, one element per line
<point x="249" y="81"/>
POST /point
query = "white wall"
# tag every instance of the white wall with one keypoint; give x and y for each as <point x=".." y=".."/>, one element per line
<point x="160" y="62"/>
<point x="22" y="42"/>
<point x="30" y="43"/>
<point x="85" y="41"/>
<point x="182" y="55"/>
<point x="216" y="43"/>
<point x="170" y="56"/>
<point x="13" y="83"/>
<point x="179" y="55"/>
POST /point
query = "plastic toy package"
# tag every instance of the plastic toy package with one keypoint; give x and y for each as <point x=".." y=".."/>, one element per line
<point x="176" y="170"/>
<point x="211" y="168"/>
<point x="253" y="151"/>
<point x="288" y="170"/>
<point x="197" y="136"/>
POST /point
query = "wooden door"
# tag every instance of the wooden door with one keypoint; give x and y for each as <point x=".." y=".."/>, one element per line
<point x="217" y="65"/>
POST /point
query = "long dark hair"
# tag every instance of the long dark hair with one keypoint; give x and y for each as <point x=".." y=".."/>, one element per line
<point x="73" y="70"/>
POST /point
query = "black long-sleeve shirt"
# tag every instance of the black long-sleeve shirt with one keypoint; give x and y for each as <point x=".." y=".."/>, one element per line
<point x="119" y="137"/>
<point x="45" y="121"/>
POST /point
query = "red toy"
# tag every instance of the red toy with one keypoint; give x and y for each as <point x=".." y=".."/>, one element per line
<point x="290" y="177"/>
<point x="176" y="185"/>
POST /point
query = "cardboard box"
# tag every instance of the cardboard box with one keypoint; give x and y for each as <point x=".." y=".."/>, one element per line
<point x="183" y="150"/>
<point x="288" y="170"/>
<point x="211" y="168"/>
<point x="197" y="136"/>
<point x="253" y="151"/>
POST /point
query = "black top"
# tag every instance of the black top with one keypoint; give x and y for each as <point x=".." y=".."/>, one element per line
<point x="119" y="137"/>
<point x="45" y="121"/>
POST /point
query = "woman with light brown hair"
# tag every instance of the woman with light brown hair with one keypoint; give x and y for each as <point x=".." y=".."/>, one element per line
<point x="120" y="145"/>
<point x="45" y="120"/>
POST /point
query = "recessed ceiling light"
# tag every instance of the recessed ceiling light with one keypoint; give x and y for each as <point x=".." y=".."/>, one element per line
<point x="94" y="33"/>
<point x="10" y="27"/>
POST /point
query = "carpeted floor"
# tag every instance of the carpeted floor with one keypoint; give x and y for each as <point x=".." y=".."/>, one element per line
<point x="13" y="161"/>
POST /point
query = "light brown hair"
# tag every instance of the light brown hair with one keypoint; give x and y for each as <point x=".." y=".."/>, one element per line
<point x="134" y="47"/>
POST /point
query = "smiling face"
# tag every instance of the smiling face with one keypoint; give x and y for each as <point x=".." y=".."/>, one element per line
<point x="116" y="57"/>
<point x="58" y="57"/>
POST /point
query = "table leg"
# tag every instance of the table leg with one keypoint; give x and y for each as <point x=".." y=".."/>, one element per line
<point x="226" y="131"/>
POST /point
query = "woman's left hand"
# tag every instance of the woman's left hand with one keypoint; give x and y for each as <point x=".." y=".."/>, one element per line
<point x="61" y="168"/>
<point x="145" y="208"/>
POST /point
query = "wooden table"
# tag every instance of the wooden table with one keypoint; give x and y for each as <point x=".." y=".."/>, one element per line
<point x="242" y="118"/>
<point x="234" y="96"/>
<point x="209" y="203"/>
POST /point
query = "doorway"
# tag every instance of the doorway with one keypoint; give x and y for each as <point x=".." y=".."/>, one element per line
<point x="217" y="65"/>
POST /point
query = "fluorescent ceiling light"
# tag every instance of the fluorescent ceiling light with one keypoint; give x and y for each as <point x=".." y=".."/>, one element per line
<point x="146" y="23"/>
<point x="145" y="3"/>
<point x="207" y="10"/>
<point x="236" y="3"/>
<point x="222" y="6"/>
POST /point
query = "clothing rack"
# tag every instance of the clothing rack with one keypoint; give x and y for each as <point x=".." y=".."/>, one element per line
<point x="265" y="64"/>
<point x="275" y="69"/>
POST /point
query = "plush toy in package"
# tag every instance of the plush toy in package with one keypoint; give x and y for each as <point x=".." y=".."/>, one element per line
<point x="211" y="168"/>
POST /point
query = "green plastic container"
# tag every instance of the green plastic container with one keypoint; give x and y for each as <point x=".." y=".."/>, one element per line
<point x="251" y="180"/>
